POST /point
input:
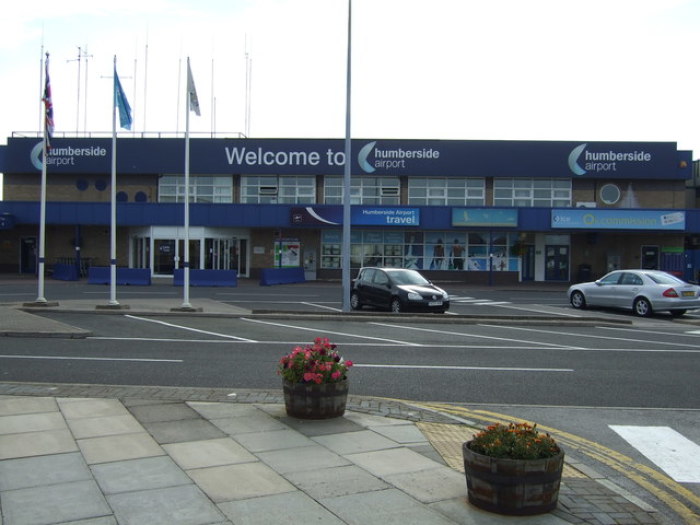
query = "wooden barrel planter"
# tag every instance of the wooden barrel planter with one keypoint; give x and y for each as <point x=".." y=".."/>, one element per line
<point x="315" y="401"/>
<point x="517" y="487"/>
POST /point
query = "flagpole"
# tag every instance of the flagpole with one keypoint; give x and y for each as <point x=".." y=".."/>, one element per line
<point x="346" y="176"/>
<point x="113" y="198"/>
<point x="186" y="263"/>
<point x="42" y="222"/>
<point x="41" y="299"/>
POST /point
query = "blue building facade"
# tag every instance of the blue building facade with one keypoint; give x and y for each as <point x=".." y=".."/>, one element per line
<point x="474" y="211"/>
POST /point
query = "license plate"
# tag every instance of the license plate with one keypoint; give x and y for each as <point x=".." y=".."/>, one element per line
<point x="689" y="294"/>
<point x="435" y="303"/>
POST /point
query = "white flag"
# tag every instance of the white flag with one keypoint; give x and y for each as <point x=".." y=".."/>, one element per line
<point x="192" y="91"/>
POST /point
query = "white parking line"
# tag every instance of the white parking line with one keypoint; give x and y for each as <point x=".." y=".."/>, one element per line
<point x="69" y="358"/>
<point x="669" y="450"/>
<point x="589" y="336"/>
<point x="404" y="327"/>
<point x="491" y="368"/>
<point x="406" y="343"/>
<point x="227" y="336"/>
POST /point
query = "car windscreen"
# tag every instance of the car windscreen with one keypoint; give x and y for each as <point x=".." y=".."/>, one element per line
<point x="408" y="278"/>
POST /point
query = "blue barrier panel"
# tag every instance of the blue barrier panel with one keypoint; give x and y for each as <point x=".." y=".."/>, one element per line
<point x="269" y="276"/>
<point x="206" y="277"/>
<point x="138" y="276"/>
<point x="65" y="272"/>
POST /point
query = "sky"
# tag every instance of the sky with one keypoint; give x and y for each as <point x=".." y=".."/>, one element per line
<point x="599" y="70"/>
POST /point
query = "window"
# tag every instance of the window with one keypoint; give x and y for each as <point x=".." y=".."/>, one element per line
<point x="527" y="193"/>
<point x="433" y="250"/>
<point x="436" y="191"/>
<point x="211" y="189"/>
<point x="278" y="190"/>
<point x="363" y="190"/>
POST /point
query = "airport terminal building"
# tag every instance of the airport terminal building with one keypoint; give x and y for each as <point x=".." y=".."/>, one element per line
<point x="471" y="211"/>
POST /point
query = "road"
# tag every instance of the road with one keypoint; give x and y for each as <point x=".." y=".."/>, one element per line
<point x="596" y="381"/>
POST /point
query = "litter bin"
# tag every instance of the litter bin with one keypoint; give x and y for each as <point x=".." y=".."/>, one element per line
<point x="584" y="272"/>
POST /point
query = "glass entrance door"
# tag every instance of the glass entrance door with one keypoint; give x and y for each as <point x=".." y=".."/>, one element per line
<point x="227" y="254"/>
<point x="194" y="253"/>
<point x="556" y="263"/>
<point x="163" y="256"/>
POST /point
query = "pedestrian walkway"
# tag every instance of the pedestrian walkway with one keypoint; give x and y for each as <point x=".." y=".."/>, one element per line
<point x="150" y="455"/>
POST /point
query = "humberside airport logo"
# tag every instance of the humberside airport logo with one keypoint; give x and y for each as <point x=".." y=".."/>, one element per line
<point x="582" y="161"/>
<point x="64" y="155"/>
<point x="372" y="158"/>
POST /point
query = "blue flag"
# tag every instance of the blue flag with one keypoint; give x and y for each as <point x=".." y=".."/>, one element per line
<point x="121" y="103"/>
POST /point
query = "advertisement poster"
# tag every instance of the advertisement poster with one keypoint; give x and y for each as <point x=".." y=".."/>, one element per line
<point x="287" y="253"/>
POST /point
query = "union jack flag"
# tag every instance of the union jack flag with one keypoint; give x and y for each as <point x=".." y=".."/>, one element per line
<point x="48" y="105"/>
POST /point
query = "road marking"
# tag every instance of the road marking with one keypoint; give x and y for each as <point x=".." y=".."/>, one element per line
<point x="171" y="325"/>
<point x="692" y="334"/>
<point x="491" y="368"/>
<point x="69" y="358"/>
<point x="476" y="336"/>
<point x="591" y="336"/>
<point x="405" y="343"/>
<point x="317" y="305"/>
<point x="669" y="450"/>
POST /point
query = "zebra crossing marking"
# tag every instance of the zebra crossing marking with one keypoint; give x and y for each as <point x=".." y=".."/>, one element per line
<point x="668" y="449"/>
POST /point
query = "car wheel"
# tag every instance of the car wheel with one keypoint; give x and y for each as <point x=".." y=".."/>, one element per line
<point x="355" y="303"/>
<point x="642" y="307"/>
<point x="396" y="305"/>
<point x="678" y="313"/>
<point x="578" y="300"/>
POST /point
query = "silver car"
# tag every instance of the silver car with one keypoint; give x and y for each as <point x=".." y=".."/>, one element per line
<point x="642" y="291"/>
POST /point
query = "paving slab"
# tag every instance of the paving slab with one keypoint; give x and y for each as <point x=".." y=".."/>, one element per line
<point x="354" y="442"/>
<point x="163" y="412"/>
<point x="119" y="448"/>
<point x="320" y="427"/>
<point x="43" y="470"/>
<point x="383" y="507"/>
<point x="104" y="426"/>
<point x="208" y="453"/>
<point x="139" y="474"/>
<point x="243" y="481"/>
<point x="273" y="440"/>
<point x="185" y="505"/>
<point x="36" y="444"/>
<point x="406" y="434"/>
<point x="50" y="504"/>
<point x="293" y="508"/>
<point x="335" y="481"/>
<point x="10" y="405"/>
<point x="303" y="458"/>
<point x="222" y="410"/>
<point x="393" y="461"/>
<point x="75" y="408"/>
<point x="32" y="423"/>
<point x="258" y="422"/>
<point x="183" y="430"/>
<point x="431" y="485"/>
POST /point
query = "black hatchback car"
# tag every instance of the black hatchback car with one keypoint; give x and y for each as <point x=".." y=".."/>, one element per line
<point x="397" y="289"/>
